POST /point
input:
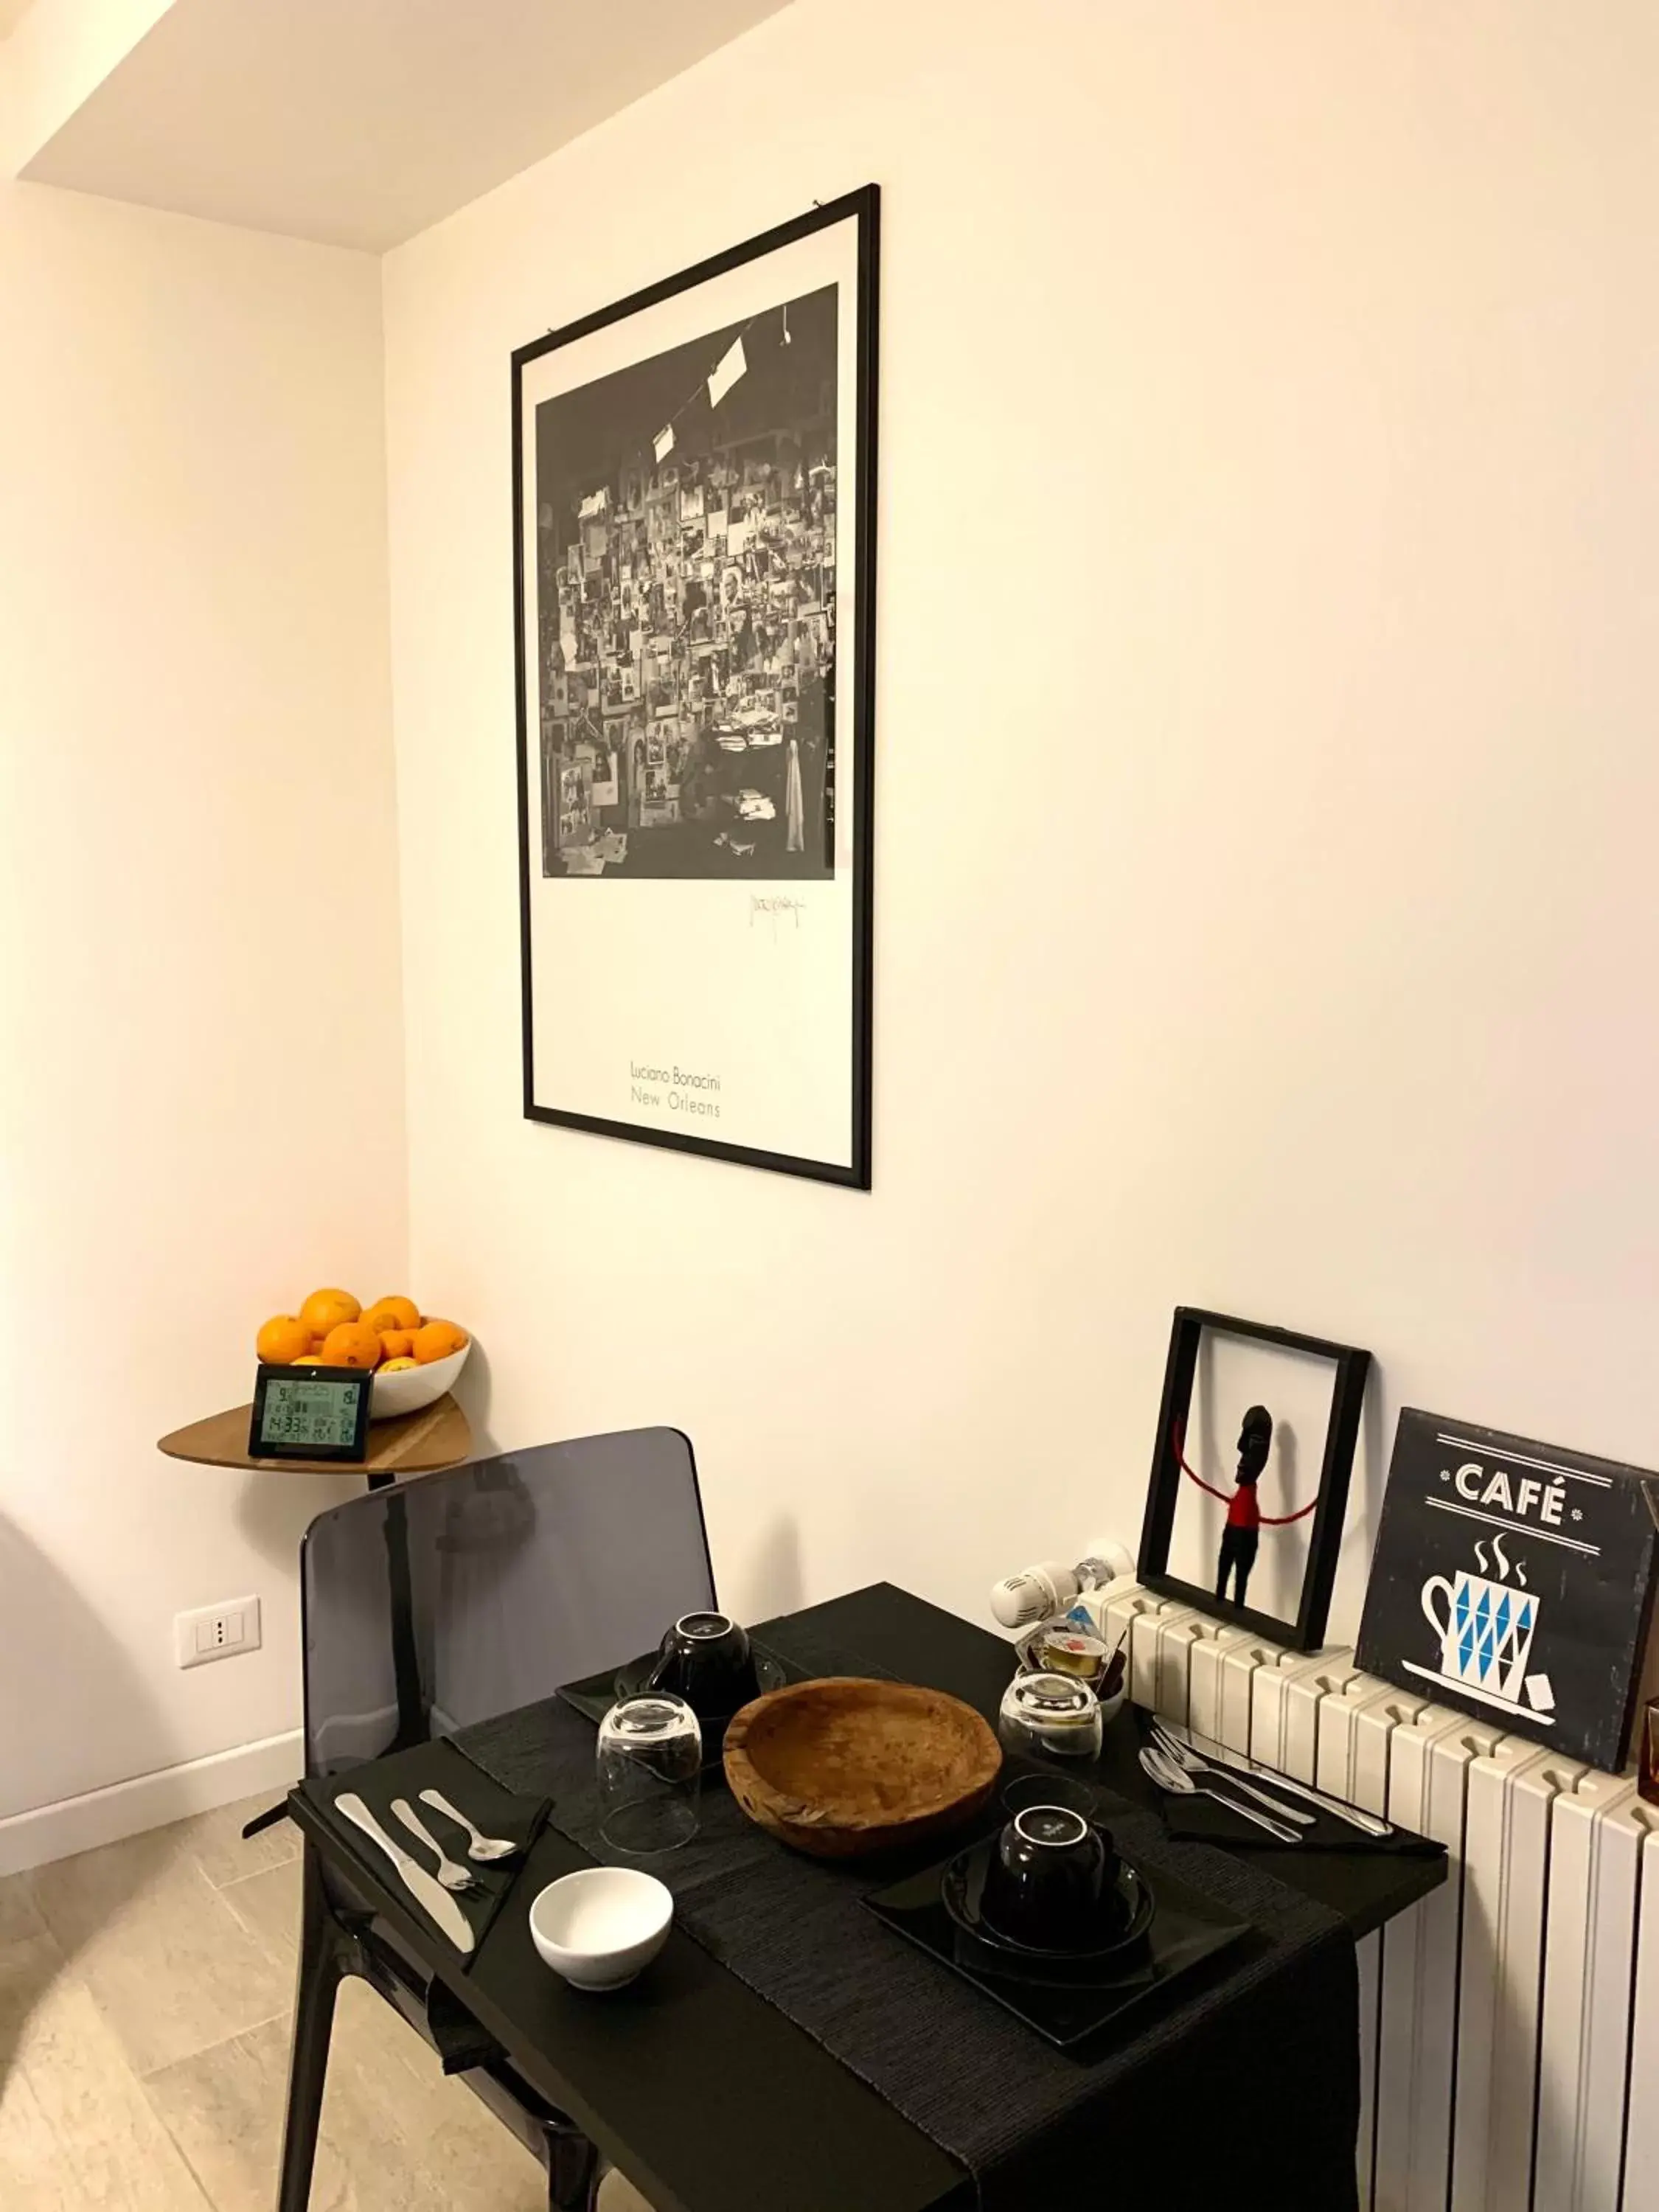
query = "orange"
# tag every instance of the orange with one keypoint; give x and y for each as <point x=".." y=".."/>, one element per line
<point x="314" y="1358"/>
<point x="283" y="1339"/>
<point x="325" y="1310"/>
<point x="437" y="1339"/>
<point x="393" y="1313"/>
<point x="397" y="1366"/>
<point x="354" y="1344"/>
<point x="397" y="1343"/>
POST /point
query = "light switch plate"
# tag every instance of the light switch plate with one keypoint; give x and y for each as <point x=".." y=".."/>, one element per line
<point x="216" y="1632"/>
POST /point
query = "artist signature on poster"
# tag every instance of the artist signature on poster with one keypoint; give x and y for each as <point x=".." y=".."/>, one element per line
<point x="675" y="1090"/>
<point x="776" y="913"/>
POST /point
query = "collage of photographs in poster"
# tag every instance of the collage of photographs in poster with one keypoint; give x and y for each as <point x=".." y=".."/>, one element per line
<point x="686" y="509"/>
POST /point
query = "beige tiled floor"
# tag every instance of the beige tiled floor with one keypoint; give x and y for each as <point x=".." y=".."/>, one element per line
<point x="144" y="1997"/>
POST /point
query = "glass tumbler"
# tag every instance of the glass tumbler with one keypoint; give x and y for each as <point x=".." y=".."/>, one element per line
<point x="650" y="1768"/>
<point x="1046" y="1717"/>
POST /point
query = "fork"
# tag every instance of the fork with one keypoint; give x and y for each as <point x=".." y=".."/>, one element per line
<point x="451" y="1876"/>
<point x="1180" y="1784"/>
<point x="1182" y="1754"/>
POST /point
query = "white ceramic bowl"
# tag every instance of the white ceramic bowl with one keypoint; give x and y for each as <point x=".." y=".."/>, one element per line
<point x="601" y="1927"/>
<point x="413" y="1388"/>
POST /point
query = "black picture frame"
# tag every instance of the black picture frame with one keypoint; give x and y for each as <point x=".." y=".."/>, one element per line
<point x="351" y="1453"/>
<point x="851" y="718"/>
<point x="1352" y="1368"/>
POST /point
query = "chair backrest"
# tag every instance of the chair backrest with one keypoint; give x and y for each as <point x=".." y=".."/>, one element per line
<point x="457" y="1596"/>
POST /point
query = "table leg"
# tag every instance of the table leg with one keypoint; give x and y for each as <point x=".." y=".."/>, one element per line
<point x="313" y="2025"/>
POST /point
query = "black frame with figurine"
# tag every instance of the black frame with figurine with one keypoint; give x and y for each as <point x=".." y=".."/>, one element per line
<point x="1307" y="1632"/>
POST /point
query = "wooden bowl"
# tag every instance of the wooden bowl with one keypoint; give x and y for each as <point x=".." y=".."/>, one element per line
<point x="843" y="1767"/>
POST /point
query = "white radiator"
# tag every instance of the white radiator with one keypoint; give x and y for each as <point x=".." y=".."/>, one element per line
<point x="1509" y="2023"/>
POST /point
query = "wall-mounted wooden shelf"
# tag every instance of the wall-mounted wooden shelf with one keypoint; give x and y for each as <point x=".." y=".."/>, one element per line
<point x="438" y="1436"/>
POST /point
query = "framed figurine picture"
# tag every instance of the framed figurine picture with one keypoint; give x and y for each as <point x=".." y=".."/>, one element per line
<point x="694" y="537"/>
<point x="1514" y="1581"/>
<point x="1256" y="1430"/>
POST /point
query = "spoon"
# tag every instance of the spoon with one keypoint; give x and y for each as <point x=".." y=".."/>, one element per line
<point x="482" y="1848"/>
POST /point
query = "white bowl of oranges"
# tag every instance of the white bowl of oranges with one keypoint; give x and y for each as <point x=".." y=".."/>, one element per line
<point x="414" y="1359"/>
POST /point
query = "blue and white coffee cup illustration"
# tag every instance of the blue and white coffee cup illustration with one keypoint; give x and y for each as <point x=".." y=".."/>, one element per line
<point x="1486" y="1634"/>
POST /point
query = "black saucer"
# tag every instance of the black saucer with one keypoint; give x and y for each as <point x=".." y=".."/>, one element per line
<point x="962" y="1888"/>
<point x="633" y="1680"/>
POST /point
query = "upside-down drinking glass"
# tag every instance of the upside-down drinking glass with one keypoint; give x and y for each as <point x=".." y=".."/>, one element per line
<point x="1047" y="1717"/>
<point x="650" y="1767"/>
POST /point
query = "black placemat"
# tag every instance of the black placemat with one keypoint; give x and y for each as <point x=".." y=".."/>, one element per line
<point x="1201" y="1820"/>
<point x="1244" y="2092"/>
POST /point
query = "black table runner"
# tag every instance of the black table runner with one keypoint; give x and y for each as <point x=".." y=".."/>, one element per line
<point x="1244" y="2090"/>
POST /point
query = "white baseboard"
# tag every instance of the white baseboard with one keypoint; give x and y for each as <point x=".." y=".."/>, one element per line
<point x="150" y="1800"/>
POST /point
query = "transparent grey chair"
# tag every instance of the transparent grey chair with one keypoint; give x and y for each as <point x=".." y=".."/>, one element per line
<point x="448" y="1599"/>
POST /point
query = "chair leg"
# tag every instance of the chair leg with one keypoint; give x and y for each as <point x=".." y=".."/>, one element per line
<point x="573" y="2172"/>
<point x="313" y="2026"/>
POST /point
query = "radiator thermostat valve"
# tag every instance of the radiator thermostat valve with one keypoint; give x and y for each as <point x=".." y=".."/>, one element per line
<point x="1042" y="1592"/>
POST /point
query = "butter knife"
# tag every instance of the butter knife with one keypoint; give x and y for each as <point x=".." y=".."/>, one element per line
<point x="1219" y="1755"/>
<point x="429" y="1893"/>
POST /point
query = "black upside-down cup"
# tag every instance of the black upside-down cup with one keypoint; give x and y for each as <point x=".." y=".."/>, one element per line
<point x="1049" y="1882"/>
<point x="706" y="1659"/>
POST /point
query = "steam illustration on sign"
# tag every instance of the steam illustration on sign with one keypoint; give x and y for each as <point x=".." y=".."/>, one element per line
<point x="1487" y="1634"/>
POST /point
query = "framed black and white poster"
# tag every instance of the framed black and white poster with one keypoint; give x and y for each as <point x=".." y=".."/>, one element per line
<point x="1514" y="1581"/>
<point x="695" y="568"/>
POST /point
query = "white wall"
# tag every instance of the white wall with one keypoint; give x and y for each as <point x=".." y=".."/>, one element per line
<point x="196" y="821"/>
<point x="1269" y="495"/>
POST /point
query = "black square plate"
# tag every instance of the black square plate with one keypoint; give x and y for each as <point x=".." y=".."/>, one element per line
<point x="1187" y="1932"/>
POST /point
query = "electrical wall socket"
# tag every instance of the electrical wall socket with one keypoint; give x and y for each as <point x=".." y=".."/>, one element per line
<point x="216" y="1632"/>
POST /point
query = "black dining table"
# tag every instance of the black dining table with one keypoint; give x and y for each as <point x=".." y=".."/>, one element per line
<point x="708" y="2096"/>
